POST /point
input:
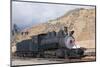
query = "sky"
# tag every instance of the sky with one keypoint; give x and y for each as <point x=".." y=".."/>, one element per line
<point x="26" y="14"/>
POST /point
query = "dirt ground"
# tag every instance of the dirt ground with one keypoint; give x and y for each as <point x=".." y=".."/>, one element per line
<point x="34" y="61"/>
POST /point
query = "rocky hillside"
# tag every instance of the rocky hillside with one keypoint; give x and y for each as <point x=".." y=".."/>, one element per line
<point x="82" y="21"/>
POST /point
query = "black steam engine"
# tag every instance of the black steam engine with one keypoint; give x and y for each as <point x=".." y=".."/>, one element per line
<point x="52" y="44"/>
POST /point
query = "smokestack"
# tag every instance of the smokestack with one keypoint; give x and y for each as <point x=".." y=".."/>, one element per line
<point x="71" y="33"/>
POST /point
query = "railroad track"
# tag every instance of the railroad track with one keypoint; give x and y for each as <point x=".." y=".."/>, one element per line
<point x="90" y="52"/>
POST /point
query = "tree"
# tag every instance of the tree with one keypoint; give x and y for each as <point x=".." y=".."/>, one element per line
<point x="15" y="29"/>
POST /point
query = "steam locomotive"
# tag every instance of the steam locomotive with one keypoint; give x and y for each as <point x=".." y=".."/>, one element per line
<point x="52" y="44"/>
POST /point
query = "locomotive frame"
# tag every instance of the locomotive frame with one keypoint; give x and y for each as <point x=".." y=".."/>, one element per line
<point x="50" y="3"/>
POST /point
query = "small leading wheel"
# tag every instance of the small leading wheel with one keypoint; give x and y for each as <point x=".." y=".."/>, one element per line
<point x="60" y="53"/>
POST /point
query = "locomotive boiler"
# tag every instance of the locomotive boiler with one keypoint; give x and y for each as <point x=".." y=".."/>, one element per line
<point x="52" y="44"/>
